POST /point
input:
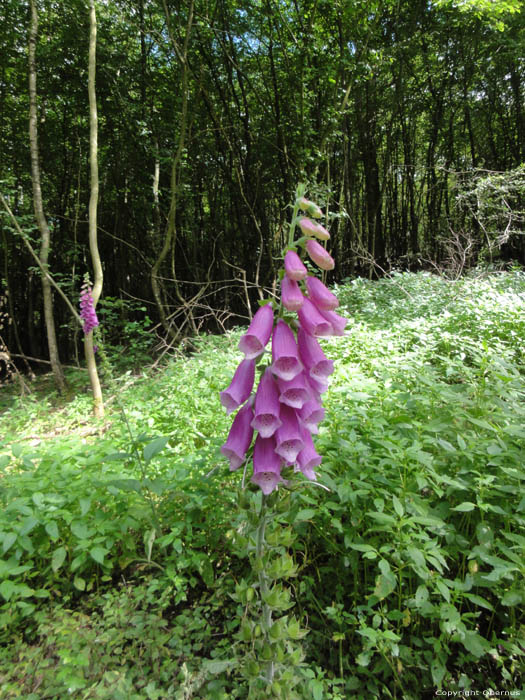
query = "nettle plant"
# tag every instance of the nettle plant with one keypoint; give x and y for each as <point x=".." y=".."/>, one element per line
<point x="283" y="411"/>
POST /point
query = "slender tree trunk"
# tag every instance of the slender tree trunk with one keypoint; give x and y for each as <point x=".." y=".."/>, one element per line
<point x="93" y="203"/>
<point x="45" y="233"/>
<point x="170" y="234"/>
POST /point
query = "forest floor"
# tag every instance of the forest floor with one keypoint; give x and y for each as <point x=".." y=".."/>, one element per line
<point x="118" y="569"/>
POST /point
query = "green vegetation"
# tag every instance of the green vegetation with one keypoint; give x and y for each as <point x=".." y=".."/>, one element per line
<point x="120" y="565"/>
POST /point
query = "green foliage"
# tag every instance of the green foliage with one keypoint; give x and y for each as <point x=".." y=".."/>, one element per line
<point x="120" y="573"/>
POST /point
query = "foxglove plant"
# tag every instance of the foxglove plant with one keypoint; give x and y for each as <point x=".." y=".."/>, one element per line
<point x="87" y="309"/>
<point x="284" y="410"/>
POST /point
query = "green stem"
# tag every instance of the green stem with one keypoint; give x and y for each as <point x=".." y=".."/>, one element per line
<point x="263" y="581"/>
<point x="298" y="194"/>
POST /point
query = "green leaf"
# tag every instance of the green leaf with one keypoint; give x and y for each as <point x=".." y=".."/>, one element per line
<point x="9" y="540"/>
<point x="398" y="507"/>
<point x="478" y="600"/>
<point x="126" y="485"/>
<point x="417" y="556"/>
<point x="443" y="589"/>
<point x="421" y="595"/>
<point x="38" y="499"/>
<point x="438" y="670"/>
<point x="28" y="524"/>
<point x="154" y="447"/>
<point x="216" y="667"/>
<point x="512" y="598"/>
<point x="58" y="558"/>
<point x="79" y="583"/>
<point x="305" y="514"/>
<point x="464" y="507"/>
<point x="7" y="588"/>
<point x="475" y="643"/>
<point x="52" y="529"/>
<point x="98" y="554"/>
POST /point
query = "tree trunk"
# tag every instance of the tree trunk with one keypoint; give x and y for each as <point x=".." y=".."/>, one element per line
<point x="98" y="407"/>
<point x="38" y="206"/>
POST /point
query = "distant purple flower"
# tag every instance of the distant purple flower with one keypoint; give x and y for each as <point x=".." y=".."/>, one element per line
<point x="87" y="310"/>
<point x="267" y="407"/>
<point x="239" y="437"/>
<point x="285" y="354"/>
<point x="253" y="342"/>
<point x="240" y="387"/>
<point x="266" y="464"/>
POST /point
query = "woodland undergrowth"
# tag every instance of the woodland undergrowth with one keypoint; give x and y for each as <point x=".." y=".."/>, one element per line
<point x="118" y="537"/>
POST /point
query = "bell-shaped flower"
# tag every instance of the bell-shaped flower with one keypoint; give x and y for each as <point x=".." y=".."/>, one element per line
<point x="296" y="392"/>
<point x="320" y="295"/>
<point x="266" y="464"/>
<point x="294" y="266"/>
<point x="288" y="440"/>
<point x="318" y="386"/>
<point x="337" y="322"/>
<point x="313" y="358"/>
<point x="319" y="255"/>
<point x="253" y="342"/>
<point x="310" y="228"/>
<point x="239" y="437"/>
<point x="307" y="226"/>
<point x="241" y="386"/>
<point x="285" y="354"/>
<point x="308" y="458"/>
<point x="267" y="406"/>
<point x="311" y="414"/>
<point x="312" y="321"/>
<point x="291" y="295"/>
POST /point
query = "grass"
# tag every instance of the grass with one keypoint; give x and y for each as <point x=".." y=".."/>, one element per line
<point x="118" y="564"/>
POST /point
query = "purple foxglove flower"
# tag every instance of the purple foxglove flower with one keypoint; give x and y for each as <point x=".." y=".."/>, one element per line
<point x="337" y="322"/>
<point x="266" y="464"/>
<point x="240" y="387"/>
<point x="267" y="407"/>
<point x="291" y="294"/>
<point x="296" y="392"/>
<point x="310" y="228"/>
<point x="294" y="266"/>
<point x="319" y="255"/>
<point x="288" y="440"/>
<point x="253" y="342"/>
<point x="308" y="458"/>
<point x="239" y="437"/>
<point x="318" y="387"/>
<point x="285" y="354"/>
<point x="307" y="226"/>
<point x="313" y="358"/>
<point x="312" y="321"/>
<point x="87" y="310"/>
<point x="311" y="414"/>
<point x="320" y="295"/>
